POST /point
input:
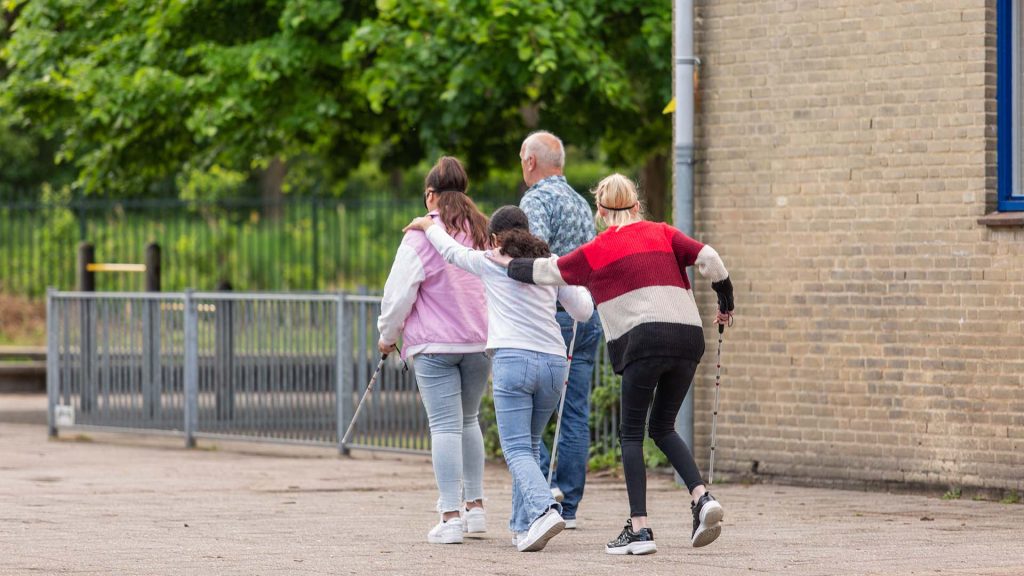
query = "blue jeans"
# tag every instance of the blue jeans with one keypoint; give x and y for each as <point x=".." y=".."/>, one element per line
<point x="452" y="386"/>
<point x="527" y="387"/>
<point x="574" y="437"/>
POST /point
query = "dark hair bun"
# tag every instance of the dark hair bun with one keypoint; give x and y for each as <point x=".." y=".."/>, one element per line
<point x="507" y="218"/>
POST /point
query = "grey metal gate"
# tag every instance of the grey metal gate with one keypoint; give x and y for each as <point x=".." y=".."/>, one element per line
<point x="227" y="365"/>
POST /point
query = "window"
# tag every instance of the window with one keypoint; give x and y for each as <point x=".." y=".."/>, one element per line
<point x="1010" y="89"/>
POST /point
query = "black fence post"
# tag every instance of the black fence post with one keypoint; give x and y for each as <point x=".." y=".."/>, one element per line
<point x="224" y="355"/>
<point x="152" y="267"/>
<point x="86" y="277"/>
<point x="152" y="380"/>
<point x="87" y="283"/>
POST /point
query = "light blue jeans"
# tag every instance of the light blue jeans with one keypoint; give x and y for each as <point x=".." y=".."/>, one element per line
<point x="452" y="386"/>
<point x="527" y="387"/>
<point x="574" y="439"/>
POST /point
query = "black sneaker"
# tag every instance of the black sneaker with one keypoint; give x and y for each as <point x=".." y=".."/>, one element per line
<point x="630" y="542"/>
<point x="707" y="520"/>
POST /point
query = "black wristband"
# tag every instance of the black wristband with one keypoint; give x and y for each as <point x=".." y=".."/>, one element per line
<point x="724" y="290"/>
<point x="521" y="269"/>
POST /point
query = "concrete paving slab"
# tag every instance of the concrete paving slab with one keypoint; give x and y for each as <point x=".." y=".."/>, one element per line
<point x="123" y="504"/>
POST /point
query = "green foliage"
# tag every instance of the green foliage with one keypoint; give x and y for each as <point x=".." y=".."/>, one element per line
<point x="604" y="404"/>
<point x="952" y="494"/>
<point x="1012" y="497"/>
<point x="138" y="91"/>
<point x="489" y="425"/>
<point x="26" y="157"/>
<point x="653" y="456"/>
<point x="604" y="457"/>
<point x="473" y="76"/>
<point x="607" y="456"/>
<point x="216" y="183"/>
<point x="137" y="97"/>
<point x="311" y="244"/>
<point x="60" y="229"/>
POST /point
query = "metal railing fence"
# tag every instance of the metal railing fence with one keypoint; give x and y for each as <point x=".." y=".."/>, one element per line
<point x="227" y="365"/>
<point x="244" y="366"/>
<point x="297" y="244"/>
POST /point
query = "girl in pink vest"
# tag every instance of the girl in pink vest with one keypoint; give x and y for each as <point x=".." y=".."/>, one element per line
<point x="441" y="314"/>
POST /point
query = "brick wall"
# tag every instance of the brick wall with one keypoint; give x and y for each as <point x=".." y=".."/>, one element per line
<point x="846" y="150"/>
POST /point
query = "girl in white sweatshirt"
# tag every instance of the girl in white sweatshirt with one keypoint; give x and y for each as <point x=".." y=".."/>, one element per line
<point x="529" y="361"/>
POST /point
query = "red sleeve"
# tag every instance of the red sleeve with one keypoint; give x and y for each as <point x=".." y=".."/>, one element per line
<point x="685" y="248"/>
<point x="575" y="268"/>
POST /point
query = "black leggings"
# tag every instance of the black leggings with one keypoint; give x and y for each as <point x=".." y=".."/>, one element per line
<point x="665" y="379"/>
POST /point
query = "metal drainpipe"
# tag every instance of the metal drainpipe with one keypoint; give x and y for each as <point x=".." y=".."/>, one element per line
<point x="683" y="136"/>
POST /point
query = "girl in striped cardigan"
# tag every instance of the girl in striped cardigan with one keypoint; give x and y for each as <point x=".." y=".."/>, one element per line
<point x="636" y="272"/>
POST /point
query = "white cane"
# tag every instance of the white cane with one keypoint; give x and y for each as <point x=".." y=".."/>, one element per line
<point x="714" y="415"/>
<point x="561" y="404"/>
<point x="369" y="388"/>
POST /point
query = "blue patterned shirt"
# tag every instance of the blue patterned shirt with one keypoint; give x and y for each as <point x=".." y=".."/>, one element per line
<point x="558" y="215"/>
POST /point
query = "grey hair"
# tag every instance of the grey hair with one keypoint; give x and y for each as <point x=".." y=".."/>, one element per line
<point x="540" y="149"/>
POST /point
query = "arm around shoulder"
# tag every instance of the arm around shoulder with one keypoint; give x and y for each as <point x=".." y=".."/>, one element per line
<point x="542" y="271"/>
<point x="454" y="253"/>
<point x="577" y="301"/>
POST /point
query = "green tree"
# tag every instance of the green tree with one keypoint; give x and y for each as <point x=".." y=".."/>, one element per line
<point x="471" y="77"/>
<point x="26" y="158"/>
<point x="140" y="91"/>
<point x="137" y="93"/>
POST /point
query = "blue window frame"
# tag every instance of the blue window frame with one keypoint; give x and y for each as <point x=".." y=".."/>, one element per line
<point x="1008" y="95"/>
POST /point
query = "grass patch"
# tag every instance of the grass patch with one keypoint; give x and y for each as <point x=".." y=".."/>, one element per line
<point x="1011" y="498"/>
<point x="952" y="494"/>
<point x="22" y="321"/>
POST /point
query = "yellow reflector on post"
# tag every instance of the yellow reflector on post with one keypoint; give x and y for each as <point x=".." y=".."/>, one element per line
<point x="96" y="267"/>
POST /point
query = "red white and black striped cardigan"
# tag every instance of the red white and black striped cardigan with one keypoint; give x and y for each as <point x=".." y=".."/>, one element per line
<point x="637" y="275"/>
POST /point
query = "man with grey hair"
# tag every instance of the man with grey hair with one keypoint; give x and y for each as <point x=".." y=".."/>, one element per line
<point x="563" y="219"/>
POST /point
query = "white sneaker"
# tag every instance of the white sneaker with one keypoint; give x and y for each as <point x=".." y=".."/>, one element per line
<point x="449" y="532"/>
<point x="543" y="529"/>
<point x="570" y="523"/>
<point x="474" y="521"/>
<point x="516" y="536"/>
<point x="557" y="494"/>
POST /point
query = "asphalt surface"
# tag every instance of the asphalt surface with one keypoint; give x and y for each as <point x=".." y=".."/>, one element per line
<point x="123" y="504"/>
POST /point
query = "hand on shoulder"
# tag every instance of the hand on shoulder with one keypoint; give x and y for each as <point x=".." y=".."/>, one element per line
<point x="421" y="223"/>
<point x="498" y="258"/>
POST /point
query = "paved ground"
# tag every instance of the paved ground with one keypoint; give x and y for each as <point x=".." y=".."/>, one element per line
<point x="118" y="504"/>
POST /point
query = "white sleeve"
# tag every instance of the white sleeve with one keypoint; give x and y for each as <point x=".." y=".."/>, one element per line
<point x="710" y="264"/>
<point x="470" y="260"/>
<point x="577" y="302"/>
<point x="400" y="293"/>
